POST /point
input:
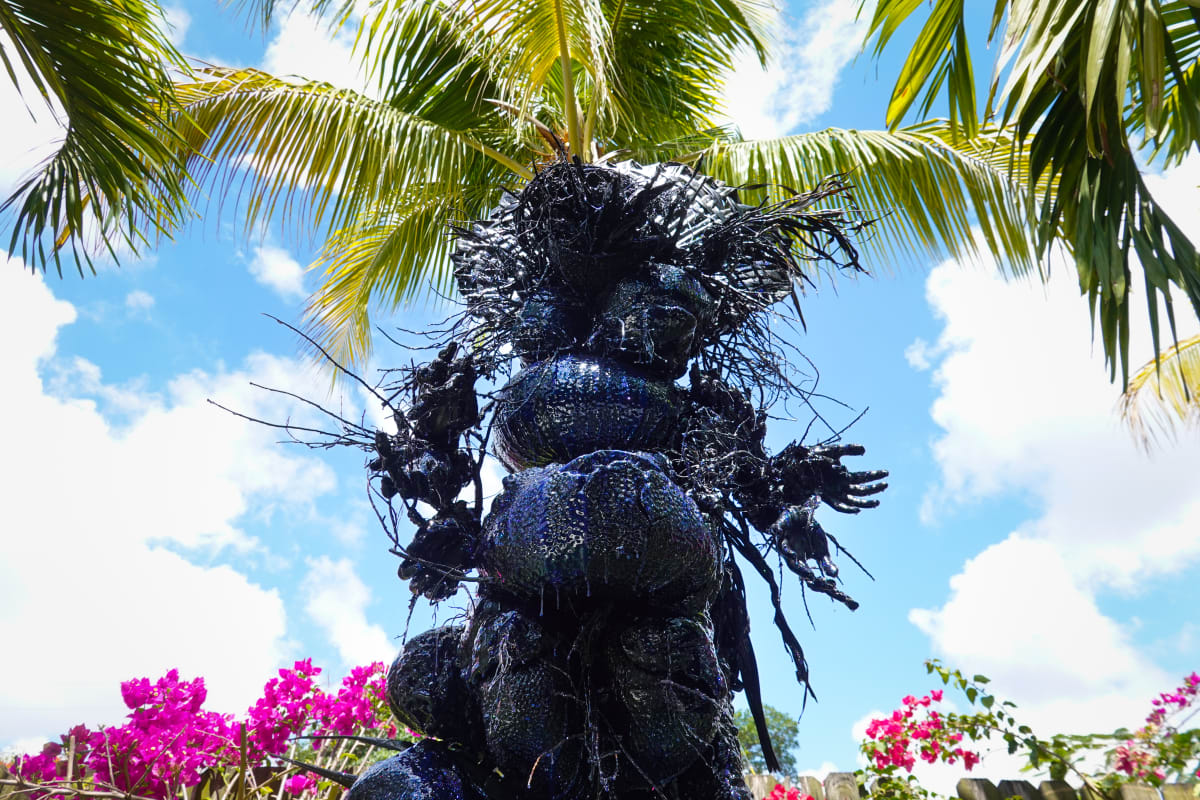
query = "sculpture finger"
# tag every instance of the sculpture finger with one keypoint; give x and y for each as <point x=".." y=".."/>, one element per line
<point x="857" y="503"/>
<point x="869" y="476"/>
<point x="863" y="491"/>
<point x="839" y="450"/>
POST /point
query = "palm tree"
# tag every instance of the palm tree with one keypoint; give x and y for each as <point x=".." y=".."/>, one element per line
<point x="104" y="67"/>
<point x="1080" y="80"/>
<point x="467" y="97"/>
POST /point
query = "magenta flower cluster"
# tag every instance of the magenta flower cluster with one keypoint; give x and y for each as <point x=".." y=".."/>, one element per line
<point x="1139" y="756"/>
<point x="169" y="740"/>
<point x="780" y="792"/>
<point x="916" y="726"/>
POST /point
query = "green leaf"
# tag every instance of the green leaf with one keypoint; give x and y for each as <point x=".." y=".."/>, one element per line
<point x="117" y="173"/>
<point x="925" y="188"/>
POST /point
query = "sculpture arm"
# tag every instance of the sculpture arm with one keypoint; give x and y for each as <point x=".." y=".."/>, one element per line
<point x="425" y="462"/>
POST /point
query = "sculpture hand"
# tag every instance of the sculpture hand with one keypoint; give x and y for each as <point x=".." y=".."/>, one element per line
<point x="841" y="489"/>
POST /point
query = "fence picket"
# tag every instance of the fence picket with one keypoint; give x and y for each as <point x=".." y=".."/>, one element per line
<point x="1057" y="790"/>
<point x="1179" y="791"/>
<point x="841" y="786"/>
<point x="811" y="785"/>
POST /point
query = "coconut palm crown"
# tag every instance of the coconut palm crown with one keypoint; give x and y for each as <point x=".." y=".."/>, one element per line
<point x="467" y="99"/>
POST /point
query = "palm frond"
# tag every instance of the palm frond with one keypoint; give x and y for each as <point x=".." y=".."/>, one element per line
<point x="117" y="173"/>
<point x="532" y="43"/>
<point x="263" y="12"/>
<point x="670" y="63"/>
<point x="1162" y="394"/>
<point x="1166" y="108"/>
<point x="925" y="190"/>
<point x="940" y="57"/>
<point x="389" y="256"/>
<point x="1080" y="78"/>
<point x="314" y="152"/>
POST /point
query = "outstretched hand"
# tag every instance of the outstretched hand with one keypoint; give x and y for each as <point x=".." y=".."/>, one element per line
<point x="818" y="472"/>
<point x="843" y="490"/>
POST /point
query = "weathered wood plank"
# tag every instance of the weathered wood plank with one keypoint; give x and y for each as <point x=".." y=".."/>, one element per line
<point x="810" y="785"/>
<point x="1020" y="789"/>
<point x="760" y="785"/>
<point x="1137" y="791"/>
<point x="841" y="786"/>
<point x="977" y="789"/>
<point x="1057" y="790"/>
<point x="1179" y="791"/>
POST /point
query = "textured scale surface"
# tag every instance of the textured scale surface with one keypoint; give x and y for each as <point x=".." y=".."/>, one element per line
<point x="556" y="410"/>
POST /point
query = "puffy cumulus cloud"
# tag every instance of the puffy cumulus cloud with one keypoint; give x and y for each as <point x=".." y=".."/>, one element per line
<point x="116" y="531"/>
<point x="275" y="268"/>
<point x="1026" y="407"/>
<point x="1027" y="413"/>
<point x="337" y="603"/>
<point x="303" y="45"/>
<point x="797" y="87"/>
<point x="1017" y="614"/>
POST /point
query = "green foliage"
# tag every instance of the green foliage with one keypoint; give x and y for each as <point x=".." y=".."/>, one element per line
<point x="785" y="738"/>
<point x="1164" y="750"/>
<point x="1080" y="80"/>
<point x="117" y="173"/>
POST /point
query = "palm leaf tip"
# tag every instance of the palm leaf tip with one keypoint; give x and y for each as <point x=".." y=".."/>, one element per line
<point x="1162" y="395"/>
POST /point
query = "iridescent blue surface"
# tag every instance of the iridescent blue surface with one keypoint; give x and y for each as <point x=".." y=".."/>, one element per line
<point x="604" y="527"/>
<point x="556" y="410"/>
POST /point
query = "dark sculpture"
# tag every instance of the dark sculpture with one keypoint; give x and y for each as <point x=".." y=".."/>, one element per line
<point x="609" y="629"/>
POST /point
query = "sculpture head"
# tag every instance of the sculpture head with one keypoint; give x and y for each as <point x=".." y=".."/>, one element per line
<point x="649" y="266"/>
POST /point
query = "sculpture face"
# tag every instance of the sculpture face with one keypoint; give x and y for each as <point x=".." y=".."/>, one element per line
<point x="609" y="626"/>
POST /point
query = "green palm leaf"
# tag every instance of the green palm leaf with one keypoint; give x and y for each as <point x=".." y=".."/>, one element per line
<point x="329" y="155"/>
<point x="668" y="78"/>
<point x="388" y="257"/>
<point x="1081" y="77"/>
<point x="925" y="186"/>
<point x="1163" y="393"/>
<point x="106" y="65"/>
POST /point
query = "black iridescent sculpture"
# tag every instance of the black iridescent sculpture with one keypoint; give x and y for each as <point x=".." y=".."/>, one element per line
<point x="608" y="629"/>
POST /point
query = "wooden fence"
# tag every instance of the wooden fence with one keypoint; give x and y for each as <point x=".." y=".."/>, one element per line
<point x="844" y="786"/>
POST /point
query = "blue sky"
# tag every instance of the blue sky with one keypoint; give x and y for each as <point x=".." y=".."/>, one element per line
<point x="1024" y="536"/>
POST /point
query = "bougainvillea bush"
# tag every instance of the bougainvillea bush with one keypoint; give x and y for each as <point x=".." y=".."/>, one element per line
<point x="1165" y="749"/>
<point x="170" y="743"/>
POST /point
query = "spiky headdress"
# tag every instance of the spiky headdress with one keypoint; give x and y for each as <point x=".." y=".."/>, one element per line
<point x="577" y="228"/>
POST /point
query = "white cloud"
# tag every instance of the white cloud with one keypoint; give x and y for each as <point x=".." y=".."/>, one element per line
<point x="819" y="772"/>
<point x="797" y="87"/>
<point x="178" y="20"/>
<point x="337" y="602"/>
<point x="1027" y="412"/>
<point x="275" y="268"/>
<point x="1017" y="614"/>
<point x="1026" y="407"/>
<point x="32" y="130"/>
<point x="303" y="46"/>
<point x="920" y="355"/>
<point x="139" y="300"/>
<point x="97" y="583"/>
